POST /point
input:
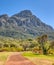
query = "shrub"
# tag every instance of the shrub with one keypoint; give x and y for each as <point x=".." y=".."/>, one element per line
<point x="51" y="51"/>
<point x="37" y="50"/>
<point x="20" y="48"/>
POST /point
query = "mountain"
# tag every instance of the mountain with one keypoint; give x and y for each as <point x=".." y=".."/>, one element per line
<point x="24" y="25"/>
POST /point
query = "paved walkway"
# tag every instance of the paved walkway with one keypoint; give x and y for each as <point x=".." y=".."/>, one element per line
<point x="18" y="59"/>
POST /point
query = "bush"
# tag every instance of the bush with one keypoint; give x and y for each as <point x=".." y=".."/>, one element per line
<point x="37" y="50"/>
<point x="4" y="49"/>
<point x="20" y="48"/>
<point x="51" y="51"/>
<point x="8" y="49"/>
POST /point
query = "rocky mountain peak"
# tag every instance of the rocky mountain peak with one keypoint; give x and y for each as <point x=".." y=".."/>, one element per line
<point x="4" y="15"/>
<point x="24" y="13"/>
<point x="24" y="25"/>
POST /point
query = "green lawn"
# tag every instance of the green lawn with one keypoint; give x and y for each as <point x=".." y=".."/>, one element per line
<point x="30" y="54"/>
<point x="39" y="59"/>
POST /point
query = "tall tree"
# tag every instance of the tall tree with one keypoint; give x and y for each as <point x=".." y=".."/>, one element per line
<point x="42" y="40"/>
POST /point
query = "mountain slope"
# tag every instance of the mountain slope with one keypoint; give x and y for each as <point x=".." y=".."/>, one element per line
<point x="24" y="25"/>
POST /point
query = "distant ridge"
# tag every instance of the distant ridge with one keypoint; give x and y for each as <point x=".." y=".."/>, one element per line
<point x="24" y="25"/>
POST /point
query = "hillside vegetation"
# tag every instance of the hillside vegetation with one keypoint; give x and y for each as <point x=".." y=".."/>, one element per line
<point x="39" y="45"/>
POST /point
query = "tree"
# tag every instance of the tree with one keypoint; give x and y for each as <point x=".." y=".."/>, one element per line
<point x="5" y="45"/>
<point x="52" y="44"/>
<point x="25" y="44"/>
<point x="42" y="41"/>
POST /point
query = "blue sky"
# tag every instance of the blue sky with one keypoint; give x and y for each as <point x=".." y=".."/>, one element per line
<point x="44" y="9"/>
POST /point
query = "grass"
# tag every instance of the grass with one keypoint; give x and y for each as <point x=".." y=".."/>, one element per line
<point x="4" y="55"/>
<point x="30" y="54"/>
<point x="39" y="59"/>
<point x="36" y="58"/>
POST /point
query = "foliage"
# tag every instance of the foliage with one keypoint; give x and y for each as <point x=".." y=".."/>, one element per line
<point x="39" y="46"/>
<point x="31" y="54"/>
<point x="42" y="41"/>
<point x="52" y="44"/>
